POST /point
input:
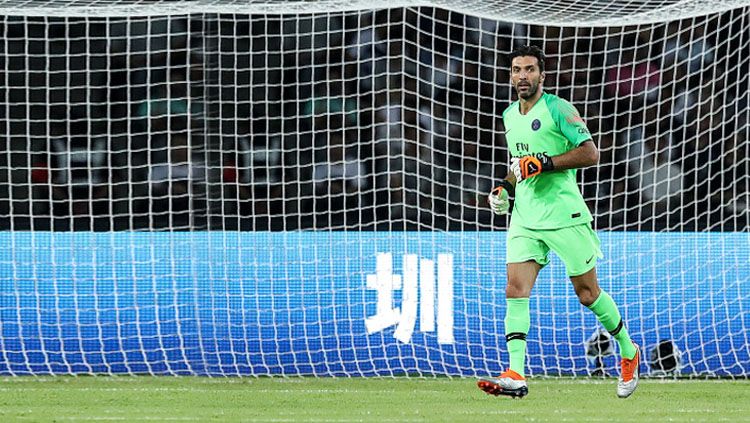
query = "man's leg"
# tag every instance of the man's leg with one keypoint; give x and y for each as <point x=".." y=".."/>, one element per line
<point x="521" y="278"/>
<point x="604" y="307"/>
<point x="589" y="294"/>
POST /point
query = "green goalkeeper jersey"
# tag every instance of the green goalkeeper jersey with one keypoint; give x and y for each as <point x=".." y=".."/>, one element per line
<point x="550" y="200"/>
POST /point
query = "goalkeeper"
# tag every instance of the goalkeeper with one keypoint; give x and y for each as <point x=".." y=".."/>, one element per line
<point x="548" y="141"/>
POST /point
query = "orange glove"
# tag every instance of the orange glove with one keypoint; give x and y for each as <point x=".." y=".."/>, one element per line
<point x="528" y="166"/>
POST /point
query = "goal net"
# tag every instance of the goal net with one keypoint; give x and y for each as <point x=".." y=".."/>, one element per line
<point x="230" y="187"/>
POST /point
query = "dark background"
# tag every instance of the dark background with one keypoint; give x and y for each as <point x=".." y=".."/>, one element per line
<point x="377" y="120"/>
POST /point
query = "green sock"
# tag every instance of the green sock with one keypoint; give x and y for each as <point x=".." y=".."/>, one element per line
<point x="606" y="311"/>
<point x="517" y="323"/>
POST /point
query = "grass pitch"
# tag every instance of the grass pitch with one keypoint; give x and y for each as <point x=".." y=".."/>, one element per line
<point x="188" y="399"/>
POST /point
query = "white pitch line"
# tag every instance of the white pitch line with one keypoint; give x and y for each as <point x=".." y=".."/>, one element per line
<point x="128" y="418"/>
<point x="201" y="390"/>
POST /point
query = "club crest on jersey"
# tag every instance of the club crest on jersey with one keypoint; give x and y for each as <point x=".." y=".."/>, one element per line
<point x="536" y="124"/>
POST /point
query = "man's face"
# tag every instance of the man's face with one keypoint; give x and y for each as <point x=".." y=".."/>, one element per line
<point x="526" y="76"/>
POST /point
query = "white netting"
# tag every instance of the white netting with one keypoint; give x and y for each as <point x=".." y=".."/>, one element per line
<point x="378" y="134"/>
<point x="583" y="13"/>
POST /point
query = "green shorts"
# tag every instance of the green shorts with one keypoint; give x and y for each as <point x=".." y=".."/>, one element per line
<point x="578" y="246"/>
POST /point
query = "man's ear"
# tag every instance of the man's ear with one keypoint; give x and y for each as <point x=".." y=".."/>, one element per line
<point x="542" y="76"/>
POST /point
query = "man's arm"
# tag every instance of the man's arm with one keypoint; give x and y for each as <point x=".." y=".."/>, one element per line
<point x="573" y="127"/>
<point x="585" y="155"/>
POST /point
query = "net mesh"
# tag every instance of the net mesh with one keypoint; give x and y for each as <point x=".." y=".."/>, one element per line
<point x="271" y="153"/>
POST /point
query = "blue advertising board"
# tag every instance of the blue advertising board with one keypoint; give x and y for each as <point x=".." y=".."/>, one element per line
<point x="350" y="303"/>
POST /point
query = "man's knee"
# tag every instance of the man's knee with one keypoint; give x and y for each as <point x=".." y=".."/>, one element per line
<point x="521" y="278"/>
<point x="518" y="288"/>
<point x="587" y="295"/>
<point x="586" y="287"/>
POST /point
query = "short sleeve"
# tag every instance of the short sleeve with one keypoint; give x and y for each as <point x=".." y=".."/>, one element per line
<point x="569" y="121"/>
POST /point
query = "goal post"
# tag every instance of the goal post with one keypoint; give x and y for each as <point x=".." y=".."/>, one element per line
<point x="234" y="188"/>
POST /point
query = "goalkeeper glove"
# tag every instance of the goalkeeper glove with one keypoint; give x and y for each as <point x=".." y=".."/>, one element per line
<point x="528" y="166"/>
<point x="498" y="198"/>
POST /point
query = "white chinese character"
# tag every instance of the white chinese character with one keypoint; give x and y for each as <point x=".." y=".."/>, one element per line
<point x="418" y="281"/>
<point x="383" y="281"/>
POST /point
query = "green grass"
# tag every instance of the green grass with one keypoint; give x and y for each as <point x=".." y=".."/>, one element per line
<point x="186" y="399"/>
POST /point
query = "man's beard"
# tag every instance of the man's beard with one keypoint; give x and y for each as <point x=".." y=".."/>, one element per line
<point x="529" y="93"/>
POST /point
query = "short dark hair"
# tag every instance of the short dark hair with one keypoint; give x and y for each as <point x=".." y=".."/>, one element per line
<point x="529" y="51"/>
